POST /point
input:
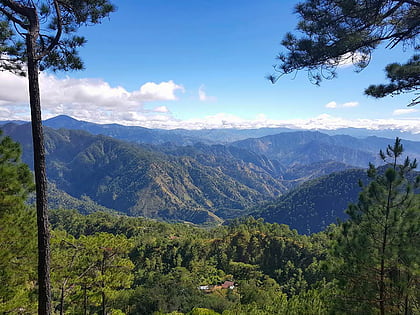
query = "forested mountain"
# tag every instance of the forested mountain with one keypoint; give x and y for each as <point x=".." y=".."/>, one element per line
<point x="306" y="147"/>
<point x="126" y="133"/>
<point x="59" y="199"/>
<point x="314" y="205"/>
<point x="204" y="183"/>
<point x="147" y="181"/>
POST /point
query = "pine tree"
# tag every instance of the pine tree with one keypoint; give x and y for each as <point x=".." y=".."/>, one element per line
<point x="16" y="180"/>
<point x="36" y="35"/>
<point x="17" y="231"/>
<point x="333" y="32"/>
<point x="377" y="254"/>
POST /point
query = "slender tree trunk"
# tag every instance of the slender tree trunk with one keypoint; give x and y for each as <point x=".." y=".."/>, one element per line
<point x="382" y="286"/>
<point x="62" y="300"/>
<point x="103" y="284"/>
<point x="103" y="302"/>
<point x="44" y="294"/>
<point x="85" y="299"/>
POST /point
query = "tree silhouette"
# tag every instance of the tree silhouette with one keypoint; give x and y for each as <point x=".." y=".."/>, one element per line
<point x="336" y="31"/>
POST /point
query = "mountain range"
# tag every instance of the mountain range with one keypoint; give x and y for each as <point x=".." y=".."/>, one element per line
<point x="301" y="178"/>
<point x="211" y="136"/>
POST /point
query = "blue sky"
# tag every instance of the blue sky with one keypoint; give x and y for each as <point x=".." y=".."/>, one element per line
<point x="202" y="64"/>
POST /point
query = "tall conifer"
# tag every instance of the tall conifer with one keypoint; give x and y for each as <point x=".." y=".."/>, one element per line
<point x="36" y="35"/>
<point x="377" y="253"/>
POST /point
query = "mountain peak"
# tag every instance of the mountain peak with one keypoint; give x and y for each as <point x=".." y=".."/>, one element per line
<point x="61" y="118"/>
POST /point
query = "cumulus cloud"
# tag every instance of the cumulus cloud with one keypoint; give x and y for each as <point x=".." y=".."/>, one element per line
<point x="151" y="91"/>
<point x="88" y="99"/>
<point x="404" y="111"/>
<point x="334" y="104"/>
<point x="97" y="101"/>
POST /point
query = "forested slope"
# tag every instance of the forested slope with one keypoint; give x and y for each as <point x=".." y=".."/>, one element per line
<point x="315" y="204"/>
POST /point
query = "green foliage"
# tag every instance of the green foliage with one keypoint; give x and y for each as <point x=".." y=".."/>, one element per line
<point x="314" y="205"/>
<point x="105" y="262"/>
<point x="18" y="261"/>
<point x="16" y="180"/>
<point x="336" y="32"/>
<point x="377" y="252"/>
<point x="17" y="231"/>
<point x="202" y="311"/>
<point x="92" y="271"/>
<point x="403" y="78"/>
<point x="58" y="22"/>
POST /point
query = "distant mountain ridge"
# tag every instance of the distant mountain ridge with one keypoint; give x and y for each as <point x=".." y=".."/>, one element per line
<point x="222" y="136"/>
<point x="307" y="147"/>
<point x="209" y="136"/>
<point x="203" y="183"/>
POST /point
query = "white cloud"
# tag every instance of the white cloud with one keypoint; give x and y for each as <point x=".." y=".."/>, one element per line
<point x="404" y="111"/>
<point x="151" y="91"/>
<point x="331" y="105"/>
<point x="202" y="95"/>
<point x="96" y="101"/>
<point x="86" y="99"/>
<point x="349" y="59"/>
<point x="334" y="104"/>
<point x="350" y="104"/>
<point x="161" y="109"/>
<point x="323" y="121"/>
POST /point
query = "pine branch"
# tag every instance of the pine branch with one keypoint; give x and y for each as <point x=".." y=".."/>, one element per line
<point x="14" y="19"/>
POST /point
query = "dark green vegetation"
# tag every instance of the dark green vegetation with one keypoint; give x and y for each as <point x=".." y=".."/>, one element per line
<point x="104" y="263"/>
<point x="336" y="31"/>
<point x="376" y="255"/>
<point x="315" y="204"/>
<point x="141" y="180"/>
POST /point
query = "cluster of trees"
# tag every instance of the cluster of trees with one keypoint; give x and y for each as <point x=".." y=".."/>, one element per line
<point x="104" y="263"/>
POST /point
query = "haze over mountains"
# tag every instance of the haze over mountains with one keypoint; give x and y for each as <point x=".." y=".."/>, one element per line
<point x="184" y="136"/>
<point x="204" y="176"/>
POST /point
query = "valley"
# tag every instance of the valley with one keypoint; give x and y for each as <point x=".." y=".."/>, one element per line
<point x="304" y="179"/>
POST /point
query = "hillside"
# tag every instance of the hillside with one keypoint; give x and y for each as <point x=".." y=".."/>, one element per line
<point x="305" y="148"/>
<point x="204" y="183"/>
<point x="146" y="181"/>
<point x="126" y="133"/>
<point x="314" y="205"/>
<point x="58" y="199"/>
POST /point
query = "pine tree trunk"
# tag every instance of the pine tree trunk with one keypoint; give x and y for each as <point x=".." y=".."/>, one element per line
<point x="85" y="299"/>
<point x="62" y="300"/>
<point x="103" y="284"/>
<point x="44" y="294"/>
